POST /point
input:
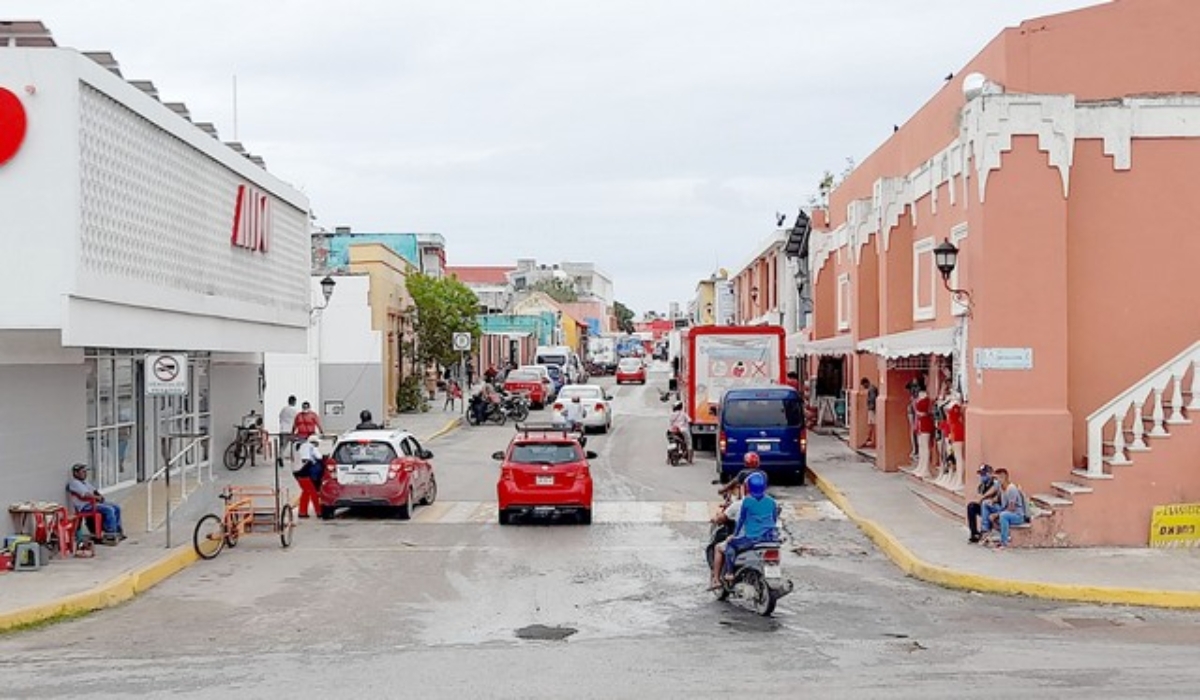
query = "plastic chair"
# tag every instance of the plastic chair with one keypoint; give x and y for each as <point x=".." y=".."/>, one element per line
<point x="27" y="556"/>
<point x="94" y="519"/>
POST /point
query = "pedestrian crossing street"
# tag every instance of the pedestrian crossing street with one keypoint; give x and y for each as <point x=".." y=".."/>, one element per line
<point x="622" y="512"/>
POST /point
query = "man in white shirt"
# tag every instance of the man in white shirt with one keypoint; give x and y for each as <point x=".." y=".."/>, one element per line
<point x="573" y="412"/>
<point x="287" y="417"/>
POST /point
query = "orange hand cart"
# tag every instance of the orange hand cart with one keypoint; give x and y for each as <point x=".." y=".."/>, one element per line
<point x="249" y="510"/>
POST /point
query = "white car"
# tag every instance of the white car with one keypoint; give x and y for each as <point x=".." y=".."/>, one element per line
<point x="597" y="405"/>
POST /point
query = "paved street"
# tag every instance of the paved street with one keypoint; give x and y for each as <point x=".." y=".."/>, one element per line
<point x="450" y="604"/>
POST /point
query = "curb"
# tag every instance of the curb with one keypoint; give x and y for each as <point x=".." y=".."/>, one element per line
<point x="453" y="425"/>
<point x="911" y="565"/>
<point x="106" y="595"/>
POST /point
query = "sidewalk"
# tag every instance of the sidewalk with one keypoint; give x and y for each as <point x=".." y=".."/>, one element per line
<point x="66" y="587"/>
<point x="932" y="548"/>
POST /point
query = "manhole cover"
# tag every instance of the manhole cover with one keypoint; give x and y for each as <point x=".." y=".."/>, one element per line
<point x="545" y="633"/>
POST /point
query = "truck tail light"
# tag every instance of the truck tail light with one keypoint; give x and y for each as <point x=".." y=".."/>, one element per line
<point x="803" y="442"/>
<point x="722" y="443"/>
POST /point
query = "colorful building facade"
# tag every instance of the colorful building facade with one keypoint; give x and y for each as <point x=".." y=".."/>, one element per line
<point x="1061" y="163"/>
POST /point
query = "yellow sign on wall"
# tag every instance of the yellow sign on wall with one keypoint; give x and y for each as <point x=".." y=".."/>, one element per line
<point x="1176" y="525"/>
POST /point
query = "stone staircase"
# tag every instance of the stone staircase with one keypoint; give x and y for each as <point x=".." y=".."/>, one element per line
<point x="1125" y="431"/>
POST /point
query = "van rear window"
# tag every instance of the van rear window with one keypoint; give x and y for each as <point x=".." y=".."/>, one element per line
<point x="560" y="360"/>
<point x="764" y="413"/>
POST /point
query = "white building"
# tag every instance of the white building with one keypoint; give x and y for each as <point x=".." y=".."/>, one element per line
<point x="589" y="282"/>
<point x="129" y="230"/>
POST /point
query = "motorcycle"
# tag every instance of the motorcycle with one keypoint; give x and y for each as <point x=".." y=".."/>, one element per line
<point x="676" y="448"/>
<point x="491" y="411"/>
<point x="757" y="576"/>
<point x="515" y="406"/>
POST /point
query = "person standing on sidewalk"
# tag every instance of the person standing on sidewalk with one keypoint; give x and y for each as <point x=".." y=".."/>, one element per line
<point x="989" y="494"/>
<point x="307" y="423"/>
<point x="308" y="476"/>
<point x="923" y="411"/>
<point x="287" y="418"/>
<point x="872" y="400"/>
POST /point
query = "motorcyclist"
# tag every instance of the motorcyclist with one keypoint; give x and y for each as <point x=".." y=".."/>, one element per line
<point x="750" y="464"/>
<point x="679" y="426"/>
<point x="573" y="413"/>
<point x="365" y="422"/>
<point x="757" y="521"/>
<point x="486" y="396"/>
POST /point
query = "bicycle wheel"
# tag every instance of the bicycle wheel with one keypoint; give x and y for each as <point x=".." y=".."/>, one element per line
<point x="235" y="455"/>
<point x="233" y="531"/>
<point x="208" y="538"/>
<point x="287" y="525"/>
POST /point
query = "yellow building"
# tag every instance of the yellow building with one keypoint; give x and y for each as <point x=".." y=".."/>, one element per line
<point x="704" y="302"/>
<point x="391" y="311"/>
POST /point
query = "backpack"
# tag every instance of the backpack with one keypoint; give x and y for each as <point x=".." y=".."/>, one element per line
<point x="1027" y="505"/>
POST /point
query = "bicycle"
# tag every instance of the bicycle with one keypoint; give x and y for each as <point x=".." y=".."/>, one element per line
<point x="245" y="444"/>
<point x="247" y="511"/>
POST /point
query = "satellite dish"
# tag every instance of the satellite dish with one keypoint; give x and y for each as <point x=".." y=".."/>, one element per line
<point x="973" y="85"/>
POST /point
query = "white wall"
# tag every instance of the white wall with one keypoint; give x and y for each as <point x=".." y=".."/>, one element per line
<point x="344" y="326"/>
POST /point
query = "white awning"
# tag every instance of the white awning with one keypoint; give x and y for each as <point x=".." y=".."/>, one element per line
<point x="837" y="345"/>
<point x="926" y="341"/>
<point x="795" y="343"/>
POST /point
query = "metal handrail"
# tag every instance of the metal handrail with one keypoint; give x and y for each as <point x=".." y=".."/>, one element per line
<point x="165" y="472"/>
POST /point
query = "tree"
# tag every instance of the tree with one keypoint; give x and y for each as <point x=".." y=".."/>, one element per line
<point x="624" y="316"/>
<point x="557" y="288"/>
<point x="445" y="306"/>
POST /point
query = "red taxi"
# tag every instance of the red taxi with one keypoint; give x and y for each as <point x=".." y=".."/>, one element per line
<point x="377" y="468"/>
<point x="631" y="369"/>
<point x="544" y="471"/>
<point x="529" y="383"/>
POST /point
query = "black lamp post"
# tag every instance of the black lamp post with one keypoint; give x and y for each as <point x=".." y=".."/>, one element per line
<point x="945" y="257"/>
<point x="327" y="286"/>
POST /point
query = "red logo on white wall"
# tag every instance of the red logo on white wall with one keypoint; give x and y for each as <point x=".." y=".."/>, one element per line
<point x="12" y="125"/>
<point x="251" y="219"/>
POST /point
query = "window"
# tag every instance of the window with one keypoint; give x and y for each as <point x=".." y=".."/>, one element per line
<point x="924" y="277"/>
<point x="545" y="453"/>
<point x="843" y="302"/>
<point x="355" y="452"/>
<point x="763" y="413"/>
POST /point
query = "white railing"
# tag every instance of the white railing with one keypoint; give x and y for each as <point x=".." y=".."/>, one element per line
<point x="194" y="464"/>
<point x="1169" y="377"/>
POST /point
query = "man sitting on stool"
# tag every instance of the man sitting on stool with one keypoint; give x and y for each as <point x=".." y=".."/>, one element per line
<point x="85" y="498"/>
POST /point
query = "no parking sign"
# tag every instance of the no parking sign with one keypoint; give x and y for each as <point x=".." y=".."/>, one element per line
<point x="166" y="375"/>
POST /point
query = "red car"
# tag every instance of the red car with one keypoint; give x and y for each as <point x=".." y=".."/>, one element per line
<point x="529" y="383"/>
<point x="631" y="369"/>
<point x="377" y="468"/>
<point x="544" y="471"/>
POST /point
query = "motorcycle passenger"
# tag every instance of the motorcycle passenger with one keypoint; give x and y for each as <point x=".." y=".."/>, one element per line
<point x="757" y="522"/>
<point x="365" y="422"/>
<point x="485" y="400"/>
<point x="679" y="426"/>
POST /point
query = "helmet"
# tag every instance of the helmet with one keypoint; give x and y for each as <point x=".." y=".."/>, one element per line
<point x="756" y="483"/>
<point x="365" y="416"/>
<point x="314" y="439"/>
<point x="751" y="460"/>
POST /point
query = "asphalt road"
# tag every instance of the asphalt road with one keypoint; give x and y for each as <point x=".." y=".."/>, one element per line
<point x="453" y="605"/>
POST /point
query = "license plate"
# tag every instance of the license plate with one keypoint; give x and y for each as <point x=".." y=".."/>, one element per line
<point x="360" y="479"/>
<point x="545" y="481"/>
<point x="772" y="571"/>
<point x="763" y="447"/>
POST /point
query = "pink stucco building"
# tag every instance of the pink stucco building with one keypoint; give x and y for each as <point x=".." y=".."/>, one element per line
<point x="1062" y="162"/>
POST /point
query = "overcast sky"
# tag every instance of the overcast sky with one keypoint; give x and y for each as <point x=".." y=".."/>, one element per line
<point x="656" y="138"/>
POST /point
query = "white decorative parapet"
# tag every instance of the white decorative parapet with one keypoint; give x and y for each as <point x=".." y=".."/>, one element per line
<point x="1169" y="377"/>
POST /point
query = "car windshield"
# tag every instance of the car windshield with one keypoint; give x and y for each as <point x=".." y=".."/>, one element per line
<point x="363" y="452"/>
<point x="586" y="392"/>
<point x="763" y="413"/>
<point x="520" y="376"/>
<point x="544" y="453"/>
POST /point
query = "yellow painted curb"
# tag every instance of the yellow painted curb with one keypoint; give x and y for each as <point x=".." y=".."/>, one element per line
<point x="106" y="595"/>
<point x="452" y="425"/>
<point x="951" y="578"/>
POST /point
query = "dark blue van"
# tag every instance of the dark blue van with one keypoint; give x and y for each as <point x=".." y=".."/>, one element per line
<point x="768" y="420"/>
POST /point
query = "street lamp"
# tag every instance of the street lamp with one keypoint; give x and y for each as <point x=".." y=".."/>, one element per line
<point x="327" y="286"/>
<point x="945" y="257"/>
